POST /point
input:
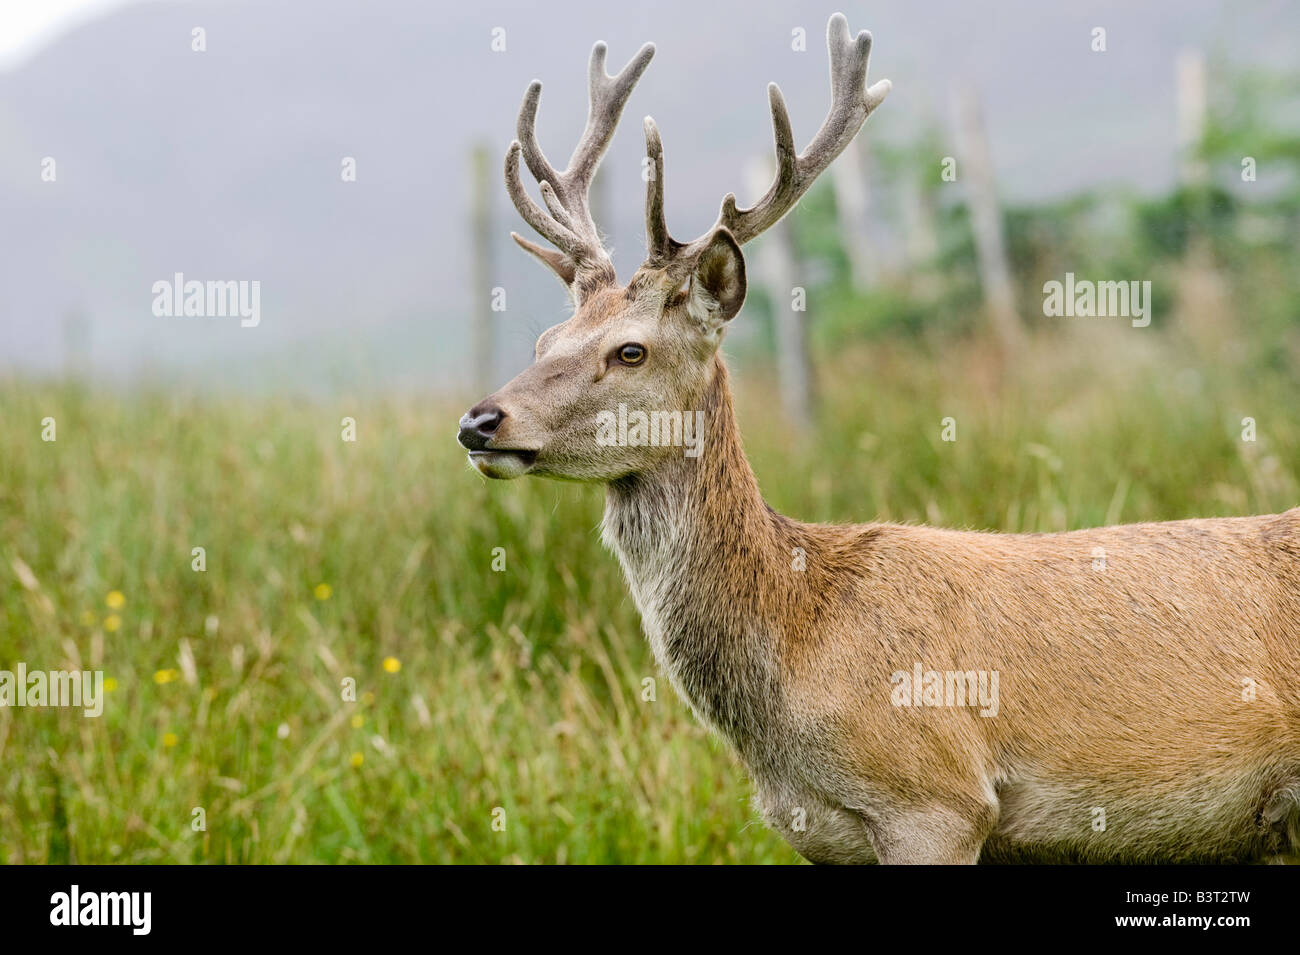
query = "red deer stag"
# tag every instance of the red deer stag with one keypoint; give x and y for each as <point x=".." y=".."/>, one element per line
<point x="898" y="693"/>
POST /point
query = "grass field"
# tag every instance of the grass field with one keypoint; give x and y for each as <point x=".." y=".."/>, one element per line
<point x="513" y="697"/>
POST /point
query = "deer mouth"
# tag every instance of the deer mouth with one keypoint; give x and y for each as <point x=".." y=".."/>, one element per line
<point x="503" y="463"/>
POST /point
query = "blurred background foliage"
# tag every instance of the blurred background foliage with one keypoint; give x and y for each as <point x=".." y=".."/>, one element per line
<point x="1250" y="230"/>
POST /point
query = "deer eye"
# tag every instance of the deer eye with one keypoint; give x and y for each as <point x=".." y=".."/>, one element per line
<point x="631" y="354"/>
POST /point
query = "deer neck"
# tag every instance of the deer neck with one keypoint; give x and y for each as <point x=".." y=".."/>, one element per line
<point x="703" y="555"/>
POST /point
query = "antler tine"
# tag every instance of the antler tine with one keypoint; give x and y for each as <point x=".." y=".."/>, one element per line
<point x="568" y="223"/>
<point x="526" y="131"/>
<point x="608" y="95"/>
<point x="545" y="224"/>
<point x="660" y="245"/>
<point x="786" y="185"/>
<point x="851" y="104"/>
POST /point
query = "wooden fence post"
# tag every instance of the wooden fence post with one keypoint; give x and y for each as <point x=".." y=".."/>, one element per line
<point x="986" y="222"/>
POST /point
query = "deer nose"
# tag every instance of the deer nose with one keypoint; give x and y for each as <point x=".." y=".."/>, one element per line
<point x="479" y="424"/>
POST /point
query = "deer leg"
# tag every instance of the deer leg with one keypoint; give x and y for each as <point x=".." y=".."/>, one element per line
<point x="932" y="836"/>
<point x="821" y="832"/>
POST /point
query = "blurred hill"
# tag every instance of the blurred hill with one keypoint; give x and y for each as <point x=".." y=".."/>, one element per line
<point x="226" y="164"/>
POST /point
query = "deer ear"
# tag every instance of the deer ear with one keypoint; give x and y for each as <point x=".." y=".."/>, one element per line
<point x="717" y="287"/>
<point x="557" y="262"/>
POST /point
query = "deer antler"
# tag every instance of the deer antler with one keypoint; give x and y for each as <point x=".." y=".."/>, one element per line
<point x="582" y="260"/>
<point x="851" y="104"/>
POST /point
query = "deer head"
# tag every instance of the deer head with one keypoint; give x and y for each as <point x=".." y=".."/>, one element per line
<point x="648" y="346"/>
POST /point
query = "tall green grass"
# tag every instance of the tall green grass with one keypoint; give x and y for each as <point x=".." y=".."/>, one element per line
<point x="511" y="721"/>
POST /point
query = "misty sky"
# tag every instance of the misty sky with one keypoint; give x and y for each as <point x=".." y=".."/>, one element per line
<point x="225" y="164"/>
